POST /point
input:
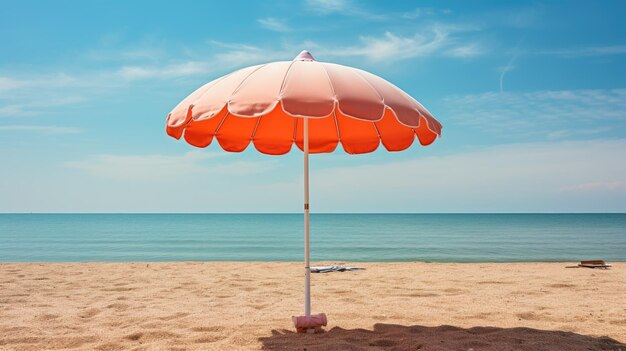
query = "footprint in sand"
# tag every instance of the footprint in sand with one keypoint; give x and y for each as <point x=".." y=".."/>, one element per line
<point x="259" y="306"/>
<point x="134" y="336"/>
<point x="454" y="291"/>
<point x="47" y="317"/>
<point x="118" y="306"/>
<point x="88" y="313"/>
<point x="208" y="339"/>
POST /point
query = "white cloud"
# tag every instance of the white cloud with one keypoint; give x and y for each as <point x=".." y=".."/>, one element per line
<point x="465" y="51"/>
<point x="58" y="80"/>
<point x="131" y="54"/>
<point x="328" y="6"/>
<point x="343" y="7"/>
<point x="10" y="83"/>
<point x="159" y="168"/>
<point x="12" y="110"/>
<point x="418" y="12"/>
<point x="40" y="129"/>
<point x="43" y="104"/>
<point x="225" y="56"/>
<point x="392" y="47"/>
<point x="176" y="70"/>
<point x="551" y="114"/>
<point x="236" y="55"/>
<point x="274" y="24"/>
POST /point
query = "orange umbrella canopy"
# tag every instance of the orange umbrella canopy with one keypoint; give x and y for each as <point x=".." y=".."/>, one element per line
<point x="264" y="104"/>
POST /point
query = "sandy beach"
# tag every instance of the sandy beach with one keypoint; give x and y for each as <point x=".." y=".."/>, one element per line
<point x="247" y="306"/>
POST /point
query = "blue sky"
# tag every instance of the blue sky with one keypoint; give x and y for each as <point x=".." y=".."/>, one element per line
<point x="532" y="96"/>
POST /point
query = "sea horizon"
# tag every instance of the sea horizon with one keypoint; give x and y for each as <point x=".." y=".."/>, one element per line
<point x="335" y="237"/>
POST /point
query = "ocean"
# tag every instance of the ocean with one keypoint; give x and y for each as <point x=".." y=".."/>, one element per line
<point x="334" y="237"/>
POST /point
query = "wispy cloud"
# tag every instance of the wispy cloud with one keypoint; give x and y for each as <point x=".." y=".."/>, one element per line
<point x="44" y="104"/>
<point x="158" y="168"/>
<point x="424" y="12"/>
<point x="439" y="39"/>
<point x="394" y="47"/>
<point x="57" y="80"/>
<point x="174" y="70"/>
<point x="551" y="114"/>
<point x="40" y="129"/>
<point x="328" y="6"/>
<point x="506" y="69"/>
<point x="145" y="53"/>
<point x="465" y="51"/>
<point x="342" y="7"/>
<point x="10" y="83"/>
<point x="243" y="54"/>
<point x="274" y="24"/>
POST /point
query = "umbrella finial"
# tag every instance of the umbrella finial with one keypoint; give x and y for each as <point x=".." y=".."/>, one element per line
<point x="304" y="56"/>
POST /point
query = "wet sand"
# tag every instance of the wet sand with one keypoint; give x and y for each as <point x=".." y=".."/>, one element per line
<point x="247" y="306"/>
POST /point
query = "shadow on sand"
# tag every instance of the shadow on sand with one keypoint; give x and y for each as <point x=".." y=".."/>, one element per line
<point x="442" y="338"/>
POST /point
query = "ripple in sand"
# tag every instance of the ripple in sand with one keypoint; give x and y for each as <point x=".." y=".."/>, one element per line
<point x="110" y="347"/>
<point x="561" y="285"/>
<point x="118" y="289"/>
<point x="151" y="336"/>
<point x="174" y="316"/>
<point x="208" y="339"/>
<point x="210" y="329"/>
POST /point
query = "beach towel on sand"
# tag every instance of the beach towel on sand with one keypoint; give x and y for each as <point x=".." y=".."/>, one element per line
<point x="328" y="269"/>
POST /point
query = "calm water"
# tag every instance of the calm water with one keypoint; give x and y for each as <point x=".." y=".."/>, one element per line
<point x="335" y="237"/>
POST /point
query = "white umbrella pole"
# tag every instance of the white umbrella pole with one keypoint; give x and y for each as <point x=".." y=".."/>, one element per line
<point x="307" y="268"/>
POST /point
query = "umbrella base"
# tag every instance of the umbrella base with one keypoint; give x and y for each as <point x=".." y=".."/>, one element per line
<point x="310" y="324"/>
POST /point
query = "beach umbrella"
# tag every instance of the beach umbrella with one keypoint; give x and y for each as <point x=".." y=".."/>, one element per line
<point x="314" y="105"/>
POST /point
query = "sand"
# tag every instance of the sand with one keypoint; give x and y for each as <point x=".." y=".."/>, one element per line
<point x="247" y="306"/>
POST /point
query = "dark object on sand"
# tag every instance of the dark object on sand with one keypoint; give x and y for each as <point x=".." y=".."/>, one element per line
<point x="328" y="269"/>
<point x="592" y="264"/>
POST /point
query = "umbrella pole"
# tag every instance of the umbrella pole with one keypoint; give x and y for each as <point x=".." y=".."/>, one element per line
<point x="307" y="268"/>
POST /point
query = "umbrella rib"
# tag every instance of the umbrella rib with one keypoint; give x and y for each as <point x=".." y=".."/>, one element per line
<point x="282" y="85"/>
<point x="377" y="131"/>
<point x="221" y="122"/>
<point x="330" y="83"/>
<point x="255" y="128"/>
<point x="337" y="126"/>
<point x="244" y="80"/>
<point x="335" y="103"/>
<point x="358" y="73"/>
<point x="216" y="82"/>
